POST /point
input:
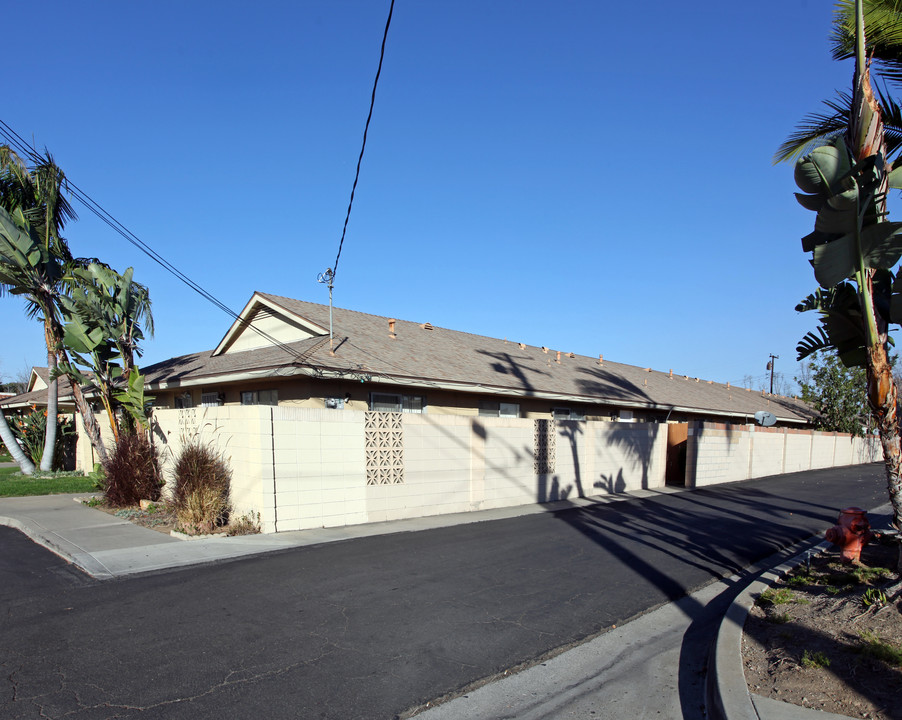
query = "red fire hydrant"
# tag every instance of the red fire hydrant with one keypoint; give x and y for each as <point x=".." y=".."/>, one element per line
<point x="850" y="534"/>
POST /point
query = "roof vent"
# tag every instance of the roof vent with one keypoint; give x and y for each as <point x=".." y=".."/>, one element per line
<point x="426" y="326"/>
<point x="647" y="369"/>
<point x="558" y="358"/>
<point x="391" y="327"/>
<point x="544" y="349"/>
<point x="571" y="355"/>
<point x="671" y="373"/>
<point x="601" y="359"/>
<point x="522" y="346"/>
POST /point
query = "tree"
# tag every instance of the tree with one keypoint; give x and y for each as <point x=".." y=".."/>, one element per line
<point x="35" y="201"/>
<point x="20" y="458"/>
<point x="837" y="392"/>
<point x="30" y="268"/>
<point x="884" y="44"/>
<point x="854" y="250"/>
<point x="104" y="314"/>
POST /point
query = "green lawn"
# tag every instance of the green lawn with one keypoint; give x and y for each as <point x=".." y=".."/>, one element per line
<point x="14" y="484"/>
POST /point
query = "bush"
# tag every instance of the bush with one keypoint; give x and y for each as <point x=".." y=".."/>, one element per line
<point x="31" y="429"/>
<point x="132" y="471"/>
<point x="202" y="480"/>
<point x="201" y="511"/>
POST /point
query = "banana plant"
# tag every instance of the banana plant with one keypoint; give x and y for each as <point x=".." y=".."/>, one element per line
<point x="104" y="313"/>
<point x="854" y="249"/>
<point x="133" y="399"/>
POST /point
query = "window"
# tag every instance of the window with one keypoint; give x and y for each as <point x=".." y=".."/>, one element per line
<point x="260" y="397"/>
<point x="567" y="414"/>
<point x="210" y="399"/>
<point x="492" y="408"/>
<point x="388" y="402"/>
<point x="183" y="401"/>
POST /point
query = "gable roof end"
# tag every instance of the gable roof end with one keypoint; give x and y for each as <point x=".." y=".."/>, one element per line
<point x="263" y="321"/>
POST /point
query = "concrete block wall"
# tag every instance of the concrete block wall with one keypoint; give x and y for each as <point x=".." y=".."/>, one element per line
<point x="865" y="450"/>
<point x="307" y="467"/>
<point x="823" y="450"/>
<point x="242" y="435"/>
<point x="766" y="452"/>
<point x="626" y="456"/>
<point x="718" y="453"/>
<point x="797" y="452"/>
<point x="436" y="471"/>
<point x="509" y="476"/>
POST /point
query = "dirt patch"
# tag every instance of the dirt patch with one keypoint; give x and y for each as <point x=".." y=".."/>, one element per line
<point x="159" y="516"/>
<point x="829" y="636"/>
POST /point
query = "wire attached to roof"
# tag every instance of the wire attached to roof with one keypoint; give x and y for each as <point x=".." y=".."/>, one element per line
<point x="334" y="268"/>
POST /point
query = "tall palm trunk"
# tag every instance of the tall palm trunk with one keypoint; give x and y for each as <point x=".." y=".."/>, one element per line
<point x="52" y="401"/>
<point x="22" y="460"/>
<point x="865" y="139"/>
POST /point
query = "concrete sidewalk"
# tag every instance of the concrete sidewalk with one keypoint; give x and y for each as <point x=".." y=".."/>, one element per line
<point x="629" y="669"/>
<point x="106" y="547"/>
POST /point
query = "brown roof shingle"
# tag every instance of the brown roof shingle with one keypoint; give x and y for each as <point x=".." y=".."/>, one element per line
<point x="419" y="354"/>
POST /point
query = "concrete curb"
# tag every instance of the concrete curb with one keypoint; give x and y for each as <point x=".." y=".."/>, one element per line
<point x="60" y="547"/>
<point x="729" y="693"/>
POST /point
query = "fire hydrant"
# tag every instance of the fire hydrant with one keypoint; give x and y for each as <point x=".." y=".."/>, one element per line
<point x="850" y="534"/>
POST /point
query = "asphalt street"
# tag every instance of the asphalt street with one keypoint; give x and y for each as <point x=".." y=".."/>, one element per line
<point x="377" y="627"/>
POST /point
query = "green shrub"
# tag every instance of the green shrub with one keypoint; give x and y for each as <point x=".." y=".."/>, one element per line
<point x="31" y="429"/>
<point x="202" y="482"/>
<point x="132" y="471"/>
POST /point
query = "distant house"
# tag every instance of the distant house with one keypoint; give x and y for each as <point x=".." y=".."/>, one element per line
<point x="282" y="352"/>
<point x="35" y="394"/>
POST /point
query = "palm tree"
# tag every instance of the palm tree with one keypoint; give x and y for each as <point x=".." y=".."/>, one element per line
<point x="34" y="198"/>
<point x="22" y="460"/>
<point x="28" y="268"/>
<point x="34" y="262"/>
<point x="883" y="19"/>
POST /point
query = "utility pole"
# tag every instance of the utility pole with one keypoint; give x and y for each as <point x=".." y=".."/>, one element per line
<point x="770" y="366"/>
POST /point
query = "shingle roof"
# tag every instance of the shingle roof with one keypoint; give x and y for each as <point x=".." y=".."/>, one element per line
<point x="416" y="355"/>
<point x="39" y="397"/>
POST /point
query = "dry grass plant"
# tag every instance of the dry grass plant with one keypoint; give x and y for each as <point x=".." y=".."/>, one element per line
<point x="201" y="511"/>
<point x="201" y="493"/>
<point x="132" y="471"/>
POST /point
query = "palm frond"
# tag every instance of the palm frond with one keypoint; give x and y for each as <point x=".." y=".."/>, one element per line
<point x="816" y="129"/>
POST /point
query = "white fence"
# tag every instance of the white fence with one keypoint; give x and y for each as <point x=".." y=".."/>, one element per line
<point x="302" y="468"/>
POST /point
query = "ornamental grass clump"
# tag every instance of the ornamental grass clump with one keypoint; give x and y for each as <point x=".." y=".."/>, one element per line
<point x="201" y="493"/>
<point x="132" y="471"/>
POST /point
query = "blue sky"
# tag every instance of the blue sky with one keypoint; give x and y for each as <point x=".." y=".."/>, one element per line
<point x="592" y="177"/>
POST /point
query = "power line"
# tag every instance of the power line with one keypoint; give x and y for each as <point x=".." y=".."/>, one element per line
<point x="334" y="268"/>
<point x="22" y="148"/>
